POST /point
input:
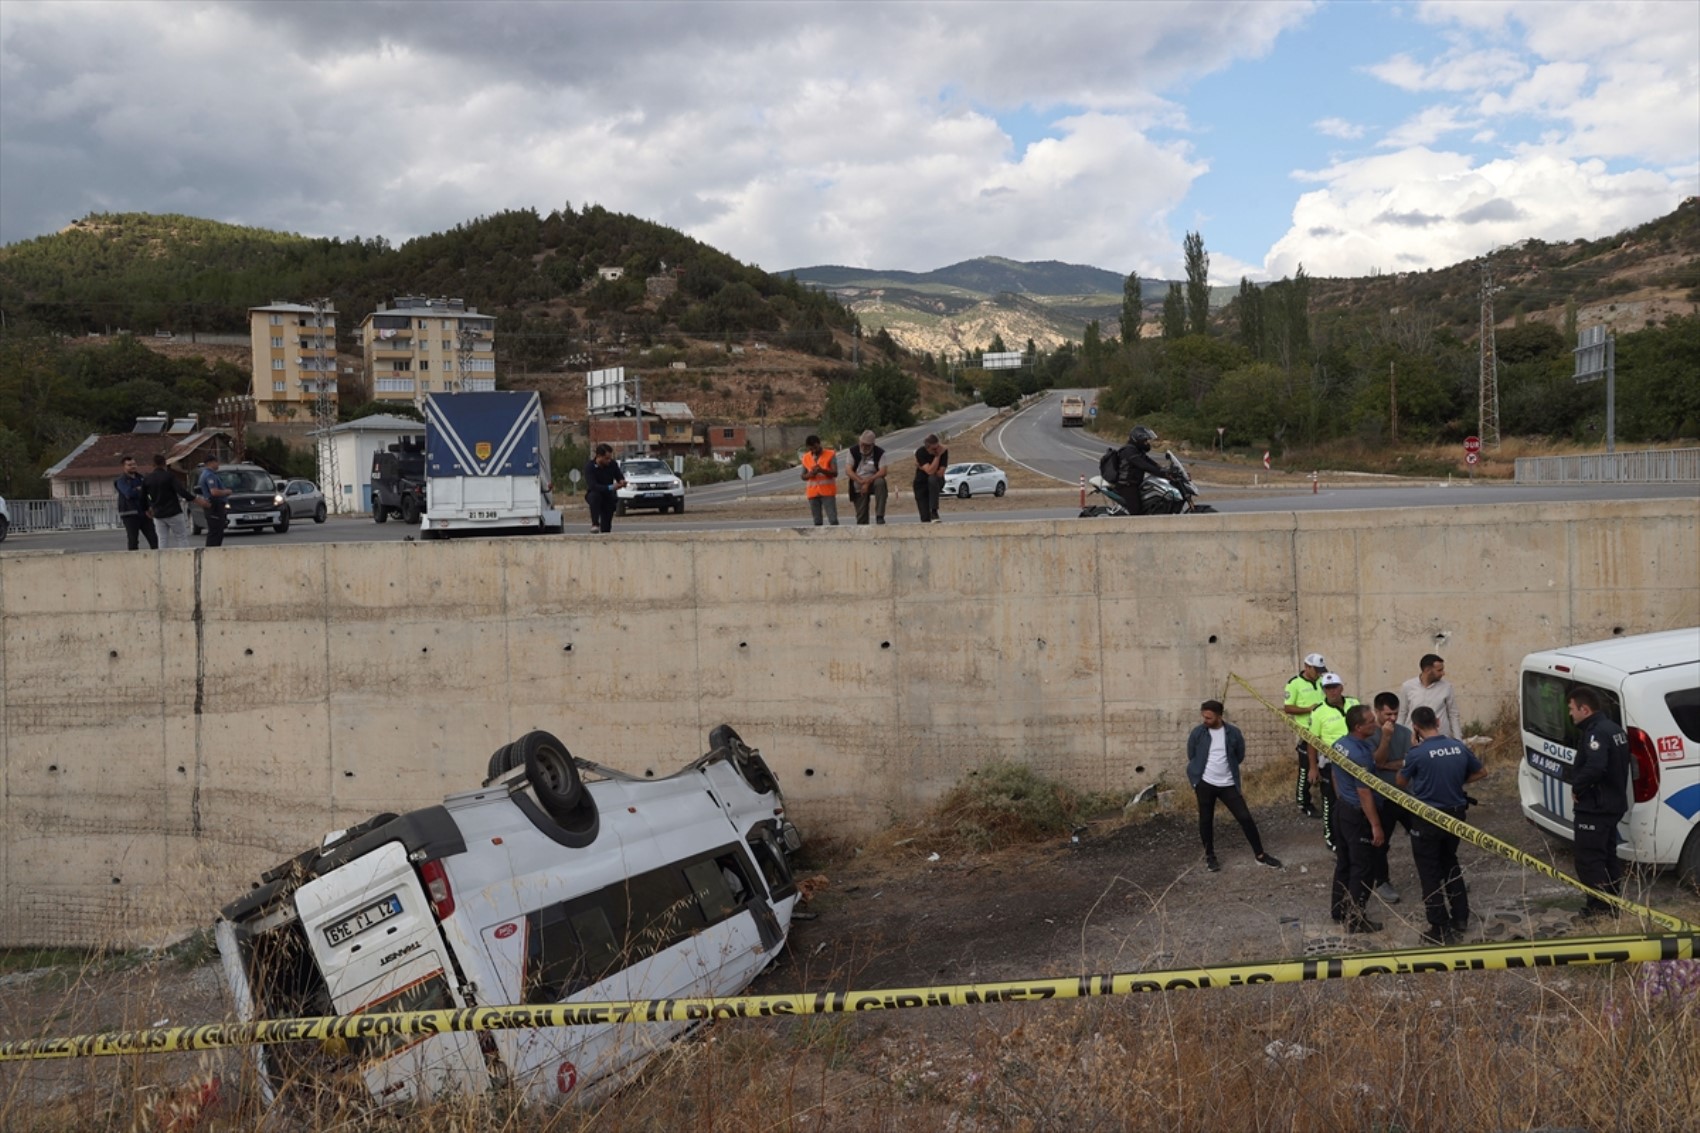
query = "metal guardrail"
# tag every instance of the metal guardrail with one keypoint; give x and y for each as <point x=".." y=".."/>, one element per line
<point x="1650" y="466"/>
<point x="64" y="515"/>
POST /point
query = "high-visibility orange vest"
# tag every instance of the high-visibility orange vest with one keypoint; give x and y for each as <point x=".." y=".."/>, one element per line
<point x="826" y="485"/>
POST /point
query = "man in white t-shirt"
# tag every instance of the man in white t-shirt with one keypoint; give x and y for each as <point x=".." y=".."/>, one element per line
<point x="1214" y="752"/>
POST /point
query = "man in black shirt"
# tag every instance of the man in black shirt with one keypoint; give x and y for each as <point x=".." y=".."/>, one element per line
<point x="603" y="481"/>
<point x="166" y="496"/>
<point x="1599" y="781"/>
<point x="931" y="459"/>
<point x="133" y="506"/>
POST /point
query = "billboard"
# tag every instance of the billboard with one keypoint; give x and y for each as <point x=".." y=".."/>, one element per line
<point x="1004" y="360"/>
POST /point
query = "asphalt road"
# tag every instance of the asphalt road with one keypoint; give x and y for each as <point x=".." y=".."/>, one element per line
<point x="1033" y="438"/>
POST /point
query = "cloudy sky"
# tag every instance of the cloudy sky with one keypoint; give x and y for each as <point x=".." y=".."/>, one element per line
<point x="1353" y="137"/>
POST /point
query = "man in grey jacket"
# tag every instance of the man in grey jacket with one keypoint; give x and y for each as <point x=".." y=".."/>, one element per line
<point x="1214" y="752"/>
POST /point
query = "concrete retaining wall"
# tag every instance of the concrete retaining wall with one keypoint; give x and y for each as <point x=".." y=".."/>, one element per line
<point x="172" y="724"/>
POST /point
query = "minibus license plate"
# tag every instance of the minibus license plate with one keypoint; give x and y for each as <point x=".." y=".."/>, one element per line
<point x="483" y="515"/>
<point x="372" y="915"/>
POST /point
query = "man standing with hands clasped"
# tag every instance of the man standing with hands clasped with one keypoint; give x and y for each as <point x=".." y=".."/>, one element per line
<point x="1436" y="769"/>
<point x="820" y="480"/>
<point x="1214" y="752"/>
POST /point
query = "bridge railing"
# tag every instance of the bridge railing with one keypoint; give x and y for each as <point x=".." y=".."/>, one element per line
<point x="64" y="515"/>
<point x="1649" y="466"/>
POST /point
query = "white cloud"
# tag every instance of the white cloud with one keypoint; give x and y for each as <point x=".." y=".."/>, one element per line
<point x="784" y="135"/>
<point x="1338" y="128"/>
<point x="1419" y="209"/>
<point x="1548" y="93"/>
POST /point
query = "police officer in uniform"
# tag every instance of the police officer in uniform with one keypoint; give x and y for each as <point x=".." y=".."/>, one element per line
<point x="1328" y="723"/>
<point x="1599" y="781"/>
<point x="1303" y="695"/>
<point x="1435" y="771"/>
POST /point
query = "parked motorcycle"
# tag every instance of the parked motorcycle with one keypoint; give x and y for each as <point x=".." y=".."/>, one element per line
<point x="1169" y="494"/>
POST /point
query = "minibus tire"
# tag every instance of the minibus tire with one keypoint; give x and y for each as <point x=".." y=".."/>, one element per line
<point x="751" y="767"/>
<point x="501" y="762"/>
<point x="553" y="776"/>
<point x="1688" y="864"/>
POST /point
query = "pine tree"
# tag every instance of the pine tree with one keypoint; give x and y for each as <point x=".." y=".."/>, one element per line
<point x="1197" y="284"/>
<point x="1132" y="315"/>
<point x="1174" y="313"/>
<point x="1251" y="317"/>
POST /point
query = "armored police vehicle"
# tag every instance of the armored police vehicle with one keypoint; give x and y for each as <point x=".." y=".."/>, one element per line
<point x="538" y="888"/>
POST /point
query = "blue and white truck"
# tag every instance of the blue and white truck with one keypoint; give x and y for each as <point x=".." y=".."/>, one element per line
<point x="487" y="465"/>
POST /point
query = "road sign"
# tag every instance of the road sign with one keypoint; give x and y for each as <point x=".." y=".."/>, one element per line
<point x="1001" y="360"/>
<point x="1266" y="459"/>
<point x="1092" y="412"/>
<point x="745" y="472"/>
<point x="1472" y="457"/>
<point x="1472" y="445"/>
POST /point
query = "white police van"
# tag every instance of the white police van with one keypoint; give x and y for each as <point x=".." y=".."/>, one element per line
<point x="1650" y="684"/>
<point x="538" y="888"/>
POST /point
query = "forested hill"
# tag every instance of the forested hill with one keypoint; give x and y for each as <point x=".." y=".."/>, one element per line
<point x="987" y="275"/>
<point x="143" y="272"/>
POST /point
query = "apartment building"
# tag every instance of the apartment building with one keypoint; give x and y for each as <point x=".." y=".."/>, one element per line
<point x="294" y="351"/>
<point x="417" y="346"/>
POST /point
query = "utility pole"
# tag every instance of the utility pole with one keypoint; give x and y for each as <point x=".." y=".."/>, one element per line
<point x="324" y="406"/>
<point x="1393" y="401"/>
<point x="1488" y="414"/>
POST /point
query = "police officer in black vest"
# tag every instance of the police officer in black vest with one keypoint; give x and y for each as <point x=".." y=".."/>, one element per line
<point x="1599" y="781"/>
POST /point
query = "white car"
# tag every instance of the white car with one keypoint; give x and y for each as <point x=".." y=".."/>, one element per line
<point x="649" y="483"/>
<point x="539" y="887"/>
<point x="965" y="480"/>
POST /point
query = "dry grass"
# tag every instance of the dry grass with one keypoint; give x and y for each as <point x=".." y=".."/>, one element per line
<point x="1607" y="1049"/>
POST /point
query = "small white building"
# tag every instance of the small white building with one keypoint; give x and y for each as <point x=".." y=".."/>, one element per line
<point x="345" y="454"/>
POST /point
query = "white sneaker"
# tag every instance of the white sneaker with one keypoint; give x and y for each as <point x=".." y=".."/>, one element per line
<point x="1387" y="893"/>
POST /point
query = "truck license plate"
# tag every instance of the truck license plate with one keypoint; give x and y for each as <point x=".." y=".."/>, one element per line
<point x="370" y="917"/>
<point x="482" y="515"/>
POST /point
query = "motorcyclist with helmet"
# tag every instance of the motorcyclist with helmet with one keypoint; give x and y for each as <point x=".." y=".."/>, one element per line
<point x="1133" y="465"/>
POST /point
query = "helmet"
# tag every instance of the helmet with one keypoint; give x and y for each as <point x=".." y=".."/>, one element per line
<point x="1141" y="438"/>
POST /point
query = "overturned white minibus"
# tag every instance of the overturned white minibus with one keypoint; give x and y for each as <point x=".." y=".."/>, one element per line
<point x="540" y="887"/>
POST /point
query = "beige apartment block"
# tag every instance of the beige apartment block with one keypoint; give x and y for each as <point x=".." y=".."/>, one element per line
<point x="417" y="346"/>
<point x="294" y="347"/>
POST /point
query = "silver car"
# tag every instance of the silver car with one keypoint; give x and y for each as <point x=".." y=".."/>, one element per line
<point x="303" y="499"/>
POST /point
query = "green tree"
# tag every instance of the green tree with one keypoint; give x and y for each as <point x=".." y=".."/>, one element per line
<point x="851" y="407"/>
<point x="1092" y="353"/>
<point x="1197" y="284"/>
<point x="1174" y="313"/>
<point x="1250" y="308"/>
<point x="1258" y="403"/>
<point x="997" y="346"/>
<point x="894" y="391"/>
<point x="1133" y="313"/>
<point x="1000" y="391"/>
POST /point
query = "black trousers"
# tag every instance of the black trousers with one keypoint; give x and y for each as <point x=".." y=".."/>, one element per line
<point x="602" y="503"/>
<point x="1597" y="863"/>
<point x="1392" y="815"/>
<point x="1354" y="856"/>
<point x="1330" y="832"/>
<point x="1230" y="797"/>
<point x="216" y="523"/>
<point x="139" y="525"/>
<point x="1445" y="900"/>
<point x="1302" y="794"/>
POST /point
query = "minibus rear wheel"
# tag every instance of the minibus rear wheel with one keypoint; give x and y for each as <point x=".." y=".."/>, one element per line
<point x="553" y="776"/>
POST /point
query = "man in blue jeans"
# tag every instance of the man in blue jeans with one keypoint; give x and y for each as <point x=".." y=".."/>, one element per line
<point x="1358" y="823"/>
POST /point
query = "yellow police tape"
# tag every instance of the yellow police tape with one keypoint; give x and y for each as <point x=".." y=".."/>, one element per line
<point x="1463" y="829"/>
<point x="1510" y="956"/>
